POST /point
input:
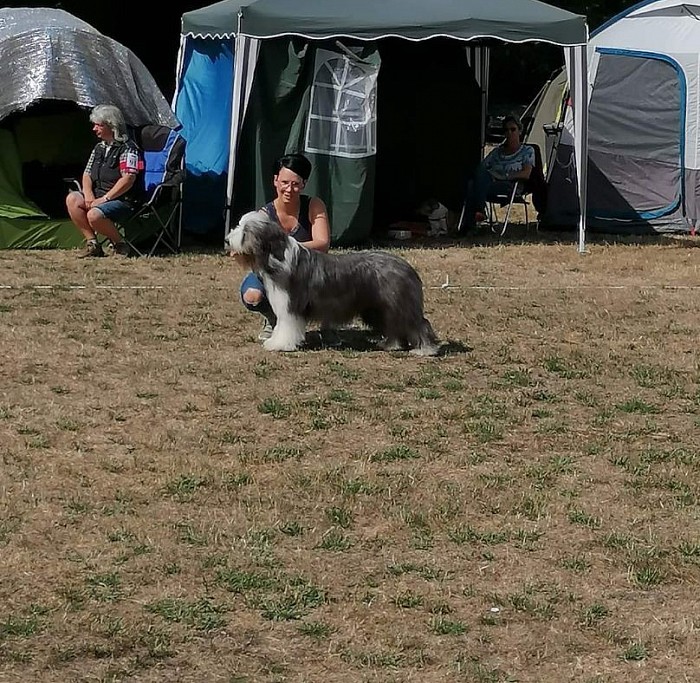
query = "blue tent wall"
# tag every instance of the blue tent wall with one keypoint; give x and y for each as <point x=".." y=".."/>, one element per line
<point x="203" y="107"/>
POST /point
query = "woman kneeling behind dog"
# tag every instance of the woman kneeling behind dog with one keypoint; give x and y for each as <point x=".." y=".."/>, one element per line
<point x="302" y="217"/>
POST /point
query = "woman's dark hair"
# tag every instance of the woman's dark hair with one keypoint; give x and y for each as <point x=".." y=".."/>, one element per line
<point x="513" y="118"/>
<point x="296" y="163"/>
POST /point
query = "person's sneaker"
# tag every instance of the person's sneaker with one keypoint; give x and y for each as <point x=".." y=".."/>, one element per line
<point x="92" y="248"/>
<point x="121" y="249"/>
<point x="266" y="331"/>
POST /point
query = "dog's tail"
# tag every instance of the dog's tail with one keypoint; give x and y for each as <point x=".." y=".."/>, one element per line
<point x="425" y="342"/>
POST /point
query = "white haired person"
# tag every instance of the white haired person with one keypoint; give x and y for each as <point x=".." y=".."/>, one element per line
<point x="111" y="184"/>
<point x="302" y="217"/>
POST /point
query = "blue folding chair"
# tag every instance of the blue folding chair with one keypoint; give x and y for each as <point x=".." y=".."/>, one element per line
<point x="164" y="169"/>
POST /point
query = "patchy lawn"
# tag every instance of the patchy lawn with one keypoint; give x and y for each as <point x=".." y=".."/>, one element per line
<point x="177" y="504"/>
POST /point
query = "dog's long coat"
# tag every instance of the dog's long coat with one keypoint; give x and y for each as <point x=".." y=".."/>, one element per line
<point x="302" y="285"/>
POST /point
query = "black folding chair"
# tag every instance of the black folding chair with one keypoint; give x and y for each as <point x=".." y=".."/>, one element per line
<point x="164" y="169"/>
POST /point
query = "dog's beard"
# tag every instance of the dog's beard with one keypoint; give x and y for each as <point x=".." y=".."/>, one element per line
<point x="233" y="248"/>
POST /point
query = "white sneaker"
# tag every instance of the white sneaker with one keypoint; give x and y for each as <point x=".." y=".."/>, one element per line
<point x="266" y="331"/>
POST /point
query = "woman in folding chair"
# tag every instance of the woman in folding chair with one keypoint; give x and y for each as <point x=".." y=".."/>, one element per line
<point x="509" y="163"/>
<point x="110" y="191"/>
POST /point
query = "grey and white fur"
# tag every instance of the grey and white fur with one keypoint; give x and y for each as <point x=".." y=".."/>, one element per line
<point x="304" y="285"/>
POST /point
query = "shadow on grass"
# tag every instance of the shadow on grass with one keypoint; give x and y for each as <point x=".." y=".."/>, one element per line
<point x="360" y="339"/>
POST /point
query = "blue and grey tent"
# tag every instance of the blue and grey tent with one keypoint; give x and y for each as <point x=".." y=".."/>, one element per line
<point x="388" y="99"/>
<point x="643" y="125"/>
<point x="644" y="122"/>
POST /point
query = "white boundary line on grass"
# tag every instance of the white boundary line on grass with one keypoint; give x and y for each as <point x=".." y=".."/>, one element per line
<point x="515" y="288"/>
<point x="83" y="287"/>
<point x="445" y="285"/>
<point x="552" y="288"/>
<point x="561" y="287"/>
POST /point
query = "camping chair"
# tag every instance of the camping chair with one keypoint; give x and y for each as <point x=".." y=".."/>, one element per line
<point x="164" y="153"/>
<point x="523" y="192"/>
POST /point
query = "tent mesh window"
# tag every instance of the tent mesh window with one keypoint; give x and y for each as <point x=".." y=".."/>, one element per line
<point x="343" y="117"/>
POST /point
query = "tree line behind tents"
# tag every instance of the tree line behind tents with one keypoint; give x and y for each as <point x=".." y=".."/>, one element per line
<point x="597" y="11"/>
<point x="532" y="64"/>
<point x="519" y="71"/>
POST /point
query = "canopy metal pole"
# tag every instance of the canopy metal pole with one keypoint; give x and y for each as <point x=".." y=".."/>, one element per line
<point x="245" y="58"/>
<point x="577" y="66"/>
<point x="479" y="58"/>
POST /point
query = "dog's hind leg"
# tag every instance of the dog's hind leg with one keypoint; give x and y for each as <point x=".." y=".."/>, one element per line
<point x="424" y="341"/>
<point x="392" y="344"/>
<point x="401" y="327"/>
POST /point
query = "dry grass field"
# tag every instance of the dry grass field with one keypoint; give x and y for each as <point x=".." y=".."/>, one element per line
<point x="177" y="504"/>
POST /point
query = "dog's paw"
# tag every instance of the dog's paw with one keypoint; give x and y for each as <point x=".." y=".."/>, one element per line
<point x="279" y="345"/>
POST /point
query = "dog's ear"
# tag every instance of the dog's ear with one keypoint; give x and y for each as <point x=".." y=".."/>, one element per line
<point x="275" y="239"/>
<point x="278" y="246"/>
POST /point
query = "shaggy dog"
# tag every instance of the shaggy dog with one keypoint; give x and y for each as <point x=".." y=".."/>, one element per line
<point x="302" y="285"/>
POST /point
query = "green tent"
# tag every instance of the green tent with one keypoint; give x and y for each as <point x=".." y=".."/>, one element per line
<point x="387" y="98"/>
<point x="53" y="69"/>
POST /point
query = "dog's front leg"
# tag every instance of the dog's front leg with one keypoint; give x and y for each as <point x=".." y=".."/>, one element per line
<point x="288" y="335"/>
<point x="290" y="330"/>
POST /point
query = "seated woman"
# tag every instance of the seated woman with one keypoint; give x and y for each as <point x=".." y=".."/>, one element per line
<point x="510" y="162"/>
<point x="112" y="183"/>
<point x="302" y="217"/>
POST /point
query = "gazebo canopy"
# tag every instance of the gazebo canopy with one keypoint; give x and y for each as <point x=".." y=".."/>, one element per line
<point x="514" y="21"/>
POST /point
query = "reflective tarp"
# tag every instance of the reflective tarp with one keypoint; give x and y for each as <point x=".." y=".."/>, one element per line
<point x="48" y="54"/>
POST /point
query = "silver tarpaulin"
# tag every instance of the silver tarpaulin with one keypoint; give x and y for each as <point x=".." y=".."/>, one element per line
<point x="48" y="54"/>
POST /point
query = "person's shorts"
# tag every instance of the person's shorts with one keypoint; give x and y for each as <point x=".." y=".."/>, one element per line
<point x="251" y="281"/>
<point x="116" y="209"/>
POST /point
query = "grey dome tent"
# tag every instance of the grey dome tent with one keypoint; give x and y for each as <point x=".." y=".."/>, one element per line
<point x="262" y="77"/>
<point x="53" y="67"/>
